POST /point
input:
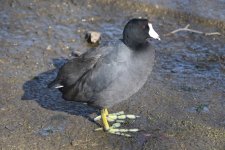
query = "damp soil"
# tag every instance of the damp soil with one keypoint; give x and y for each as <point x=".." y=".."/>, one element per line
<point x="182" y="105"/>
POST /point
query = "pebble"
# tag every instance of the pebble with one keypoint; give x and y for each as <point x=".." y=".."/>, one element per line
<point x="200" y="108"/>
<point x="2" y="108"/>
<point x="66" y="47"/>
<point x="49" y="47"/>
<point x="93" y="37"/>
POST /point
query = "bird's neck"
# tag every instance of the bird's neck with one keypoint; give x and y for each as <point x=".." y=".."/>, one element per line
<point x="135" y="45"/>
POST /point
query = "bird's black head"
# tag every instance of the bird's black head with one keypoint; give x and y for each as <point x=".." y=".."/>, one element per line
<point x="136" y="32"/>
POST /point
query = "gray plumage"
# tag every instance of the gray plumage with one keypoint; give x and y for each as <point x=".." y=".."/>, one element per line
<point x="106" y="76"/>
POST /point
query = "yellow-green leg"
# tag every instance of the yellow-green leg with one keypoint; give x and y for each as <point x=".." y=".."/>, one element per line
<point x="118" y="118"/>
<point x="104" y="114"/>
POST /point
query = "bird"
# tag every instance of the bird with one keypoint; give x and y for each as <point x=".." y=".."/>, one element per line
<point x="110" y="74"/>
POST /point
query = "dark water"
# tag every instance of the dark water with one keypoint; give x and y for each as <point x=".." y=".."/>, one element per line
<point x="182" y="104"/>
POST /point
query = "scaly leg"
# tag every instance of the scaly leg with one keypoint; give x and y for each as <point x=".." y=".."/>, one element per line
<point x="104" y="113"/>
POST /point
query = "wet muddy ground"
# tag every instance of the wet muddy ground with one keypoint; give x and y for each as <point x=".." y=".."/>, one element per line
<point x="181" y="105"/>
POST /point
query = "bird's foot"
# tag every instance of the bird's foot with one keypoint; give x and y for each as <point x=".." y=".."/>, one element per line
<point x="114" y="130"/>
<point x="118" y="118"/>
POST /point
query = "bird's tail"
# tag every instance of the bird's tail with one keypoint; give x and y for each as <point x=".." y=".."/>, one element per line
<point x="55" y="83"/>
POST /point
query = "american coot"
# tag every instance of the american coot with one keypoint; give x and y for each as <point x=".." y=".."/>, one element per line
<point x="108" y="75"/>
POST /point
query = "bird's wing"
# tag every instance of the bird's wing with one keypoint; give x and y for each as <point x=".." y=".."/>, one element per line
<point x="74" y="69"/>
<point x="84" y="77"/>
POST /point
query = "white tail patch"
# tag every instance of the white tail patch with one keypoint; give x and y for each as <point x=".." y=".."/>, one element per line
<point x="152" y="32"/>
<point x="59" y="86"/>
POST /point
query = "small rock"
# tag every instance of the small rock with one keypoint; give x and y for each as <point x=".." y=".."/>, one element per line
<point x="13" y="126"/>
<point x="89" y="6"/>
<point x="73" y="142"/>
<point x="92" y="19"/>
<point x="199" y="108"/>
<point x="202" y="108"/>
<point x="93" y="37"/>
<point x="72" y="40"/>
<point x="66" y="47"/>
<point x="49" y="47"/>
<point x="2" y="108"/>
<point x="46" y="131"/>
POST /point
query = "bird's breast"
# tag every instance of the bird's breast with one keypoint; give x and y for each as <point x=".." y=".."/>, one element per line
<point x="133" y="71"/>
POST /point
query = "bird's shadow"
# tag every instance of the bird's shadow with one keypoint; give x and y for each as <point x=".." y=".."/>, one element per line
<point x="36" y="89"/>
